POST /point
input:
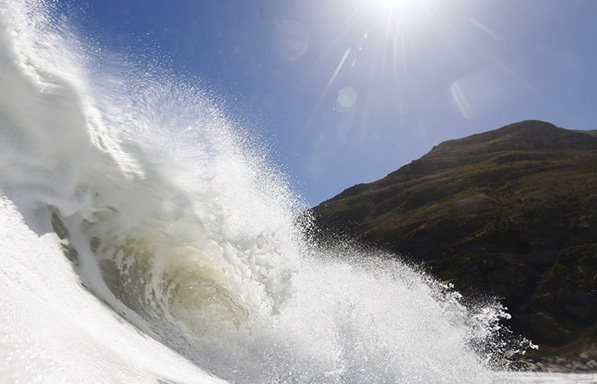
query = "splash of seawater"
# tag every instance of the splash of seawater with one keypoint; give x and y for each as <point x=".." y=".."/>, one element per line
<point x="179" y="223"/>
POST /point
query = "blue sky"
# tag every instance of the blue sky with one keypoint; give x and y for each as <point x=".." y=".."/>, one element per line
<point x="347" y="91"/>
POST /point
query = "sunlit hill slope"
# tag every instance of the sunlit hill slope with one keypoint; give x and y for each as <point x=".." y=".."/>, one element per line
<point x="511" y="213"/>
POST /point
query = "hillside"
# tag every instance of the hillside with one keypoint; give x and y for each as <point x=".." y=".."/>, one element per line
<point x="510" y="213"/>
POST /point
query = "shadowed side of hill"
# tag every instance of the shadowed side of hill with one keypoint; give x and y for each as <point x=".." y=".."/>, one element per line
<point x="510" y="213"/>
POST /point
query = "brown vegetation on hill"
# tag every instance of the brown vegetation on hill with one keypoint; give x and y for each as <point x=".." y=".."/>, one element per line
<point x="510" y="213"/>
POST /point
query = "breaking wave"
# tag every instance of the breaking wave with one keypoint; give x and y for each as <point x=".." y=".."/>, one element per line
<point x="173" y="217"/>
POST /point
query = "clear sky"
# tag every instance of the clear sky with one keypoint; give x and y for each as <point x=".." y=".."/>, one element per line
<point x="347" y="91"/>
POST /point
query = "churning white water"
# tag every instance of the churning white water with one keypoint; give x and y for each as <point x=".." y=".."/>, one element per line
<point x="145" y="238"/>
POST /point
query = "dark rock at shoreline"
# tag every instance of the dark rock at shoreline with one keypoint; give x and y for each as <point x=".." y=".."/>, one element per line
<point x="510" y="213"/>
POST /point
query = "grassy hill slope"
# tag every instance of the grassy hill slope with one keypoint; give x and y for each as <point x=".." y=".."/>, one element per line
<point x="511" y="213"/>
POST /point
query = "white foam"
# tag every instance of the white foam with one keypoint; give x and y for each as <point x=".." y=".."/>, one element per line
<point x="54" y="331"/>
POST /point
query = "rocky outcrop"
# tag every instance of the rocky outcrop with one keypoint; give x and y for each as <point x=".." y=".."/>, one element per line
<point x="510" y="213"/>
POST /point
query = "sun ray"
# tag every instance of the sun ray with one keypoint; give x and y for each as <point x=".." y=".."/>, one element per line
<point x="334" y="76"/>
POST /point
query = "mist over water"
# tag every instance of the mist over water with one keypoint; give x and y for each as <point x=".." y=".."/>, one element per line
<point x="173" y="217"/>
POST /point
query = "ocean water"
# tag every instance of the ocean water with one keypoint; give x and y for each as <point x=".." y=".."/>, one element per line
<point x="145" y="237"/>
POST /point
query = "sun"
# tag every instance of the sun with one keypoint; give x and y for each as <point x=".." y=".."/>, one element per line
<point x="384" y="33"/>
<point x="384" y="11"/>
<point x="394" y="7"/>
<point x="394" y="3"/>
